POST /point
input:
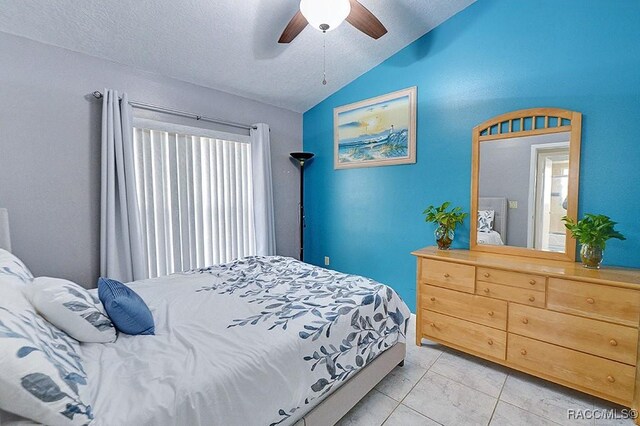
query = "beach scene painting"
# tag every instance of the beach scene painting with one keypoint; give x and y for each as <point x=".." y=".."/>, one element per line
<point x="379" y="131"/>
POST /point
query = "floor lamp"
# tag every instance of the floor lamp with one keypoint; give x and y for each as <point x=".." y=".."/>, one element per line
<point x="301" y="157"/>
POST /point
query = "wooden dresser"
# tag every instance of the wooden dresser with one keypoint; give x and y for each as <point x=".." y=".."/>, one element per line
<point x="552" y="319"/>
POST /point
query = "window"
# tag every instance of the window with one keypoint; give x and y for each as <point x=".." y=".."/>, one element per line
<point x="195" y="194"/>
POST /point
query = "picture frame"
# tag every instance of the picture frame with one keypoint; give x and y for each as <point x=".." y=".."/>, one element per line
<point x="379" y="131"/>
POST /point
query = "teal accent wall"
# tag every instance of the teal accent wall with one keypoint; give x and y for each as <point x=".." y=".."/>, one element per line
<point x="493" y="57"/>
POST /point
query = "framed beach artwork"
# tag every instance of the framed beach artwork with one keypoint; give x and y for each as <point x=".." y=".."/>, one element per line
<point x="380" y="131"/>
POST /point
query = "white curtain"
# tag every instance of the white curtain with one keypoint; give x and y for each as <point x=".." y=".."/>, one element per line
<point x="122" y="255"/>
<point x="263" y="191"/>
<point x="195" y="190"/>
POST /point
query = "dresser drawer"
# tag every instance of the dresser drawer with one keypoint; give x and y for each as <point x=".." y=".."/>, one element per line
<point x="514" y="279"/>
<point x="481" y="310"/>
<point x="513" y="294"/>
<point x="465" y="334"/>
<point x="612" y="341"/>
<point x="591" y="372"/>
<point x="619" y="305"/>
<point x="449" y="275"/>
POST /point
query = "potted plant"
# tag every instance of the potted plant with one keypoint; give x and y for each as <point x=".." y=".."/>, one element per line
<point x="592" y="232"/>
<point x="446" y="220"/>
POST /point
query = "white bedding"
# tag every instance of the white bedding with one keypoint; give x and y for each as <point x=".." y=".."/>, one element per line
<point x="256" y="342"/>
<point x="491" y="237"/>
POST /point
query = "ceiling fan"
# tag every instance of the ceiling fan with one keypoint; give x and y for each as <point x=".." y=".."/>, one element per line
<point x="327" y="15"/>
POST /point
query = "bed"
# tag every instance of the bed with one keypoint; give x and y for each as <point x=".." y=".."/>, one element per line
<point x="498" y="234"/>
<point x="258" y="341"/>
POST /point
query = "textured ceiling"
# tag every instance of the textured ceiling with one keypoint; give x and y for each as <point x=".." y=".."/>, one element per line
<point x="226" y="45"/>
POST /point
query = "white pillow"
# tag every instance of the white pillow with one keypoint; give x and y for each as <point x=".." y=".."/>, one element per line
<point x="485" y="220"/>
<point x="72" y="309"/>
<point x="42" y="377"/>
<point x="12" y="268"/>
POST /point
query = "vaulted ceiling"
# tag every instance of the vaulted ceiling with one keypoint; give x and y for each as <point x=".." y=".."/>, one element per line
<point x="226" y="45"/>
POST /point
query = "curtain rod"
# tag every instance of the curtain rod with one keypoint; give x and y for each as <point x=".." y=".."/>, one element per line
<point x="140" y="105"/>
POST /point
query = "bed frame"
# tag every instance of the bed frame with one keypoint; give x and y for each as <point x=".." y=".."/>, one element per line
<point x="339" y="402"/>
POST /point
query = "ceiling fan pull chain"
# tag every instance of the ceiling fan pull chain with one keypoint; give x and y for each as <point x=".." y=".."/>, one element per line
<point x="324" y="59"/>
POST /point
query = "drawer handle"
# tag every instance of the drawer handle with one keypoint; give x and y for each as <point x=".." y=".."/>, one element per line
<point x="613" y="342"/>
<point x="532" y="299"/>
<point x="486" y="290"/>
<point x="487" y="275"/>
<point x="490" y="313"/>
<point x="590" y="301"/>
<point x="433" y="324"/>
<point x="490" y="341"/>
<point x="532" y="282"/>
<point x="611" y="379"/>
<point x="433" y="299"/>
<point x="525" y="321"/>
<point x="523" y="352"/>
<point x="446" y="275"/>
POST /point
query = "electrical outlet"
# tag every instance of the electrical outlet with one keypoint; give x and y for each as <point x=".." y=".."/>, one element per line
<point x="513" y="204"/>
<point x="326" y="261"/>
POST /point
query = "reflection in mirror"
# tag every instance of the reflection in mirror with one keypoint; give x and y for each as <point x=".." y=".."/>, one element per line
<point x="525" y="173"/>
<point x="523" y="188"/>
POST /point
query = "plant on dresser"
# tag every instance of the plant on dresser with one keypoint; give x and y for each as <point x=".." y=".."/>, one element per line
<point x="446" y="220"/>
<point x="592" y="232"/>
<point x="553" y="319"/>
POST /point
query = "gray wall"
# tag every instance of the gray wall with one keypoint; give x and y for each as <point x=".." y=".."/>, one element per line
<point x="50" y="150"/>
<point x="505" y="171"/>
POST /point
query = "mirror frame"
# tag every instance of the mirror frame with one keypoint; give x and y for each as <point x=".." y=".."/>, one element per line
<point x="502" y="127"/>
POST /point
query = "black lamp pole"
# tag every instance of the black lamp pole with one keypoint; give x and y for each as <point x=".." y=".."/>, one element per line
<point x="301" y="157"/>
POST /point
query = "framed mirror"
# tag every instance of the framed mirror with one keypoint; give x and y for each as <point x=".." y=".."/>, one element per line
<point x="524" y="179"/>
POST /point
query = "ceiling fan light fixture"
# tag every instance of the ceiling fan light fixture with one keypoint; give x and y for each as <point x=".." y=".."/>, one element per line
<point x="325" y="15"/>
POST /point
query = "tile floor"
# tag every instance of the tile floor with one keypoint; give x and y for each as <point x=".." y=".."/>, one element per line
<point x="441" y="386"/>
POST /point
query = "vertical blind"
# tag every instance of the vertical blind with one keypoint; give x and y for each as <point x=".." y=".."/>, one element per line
<point x="195" y="198"/>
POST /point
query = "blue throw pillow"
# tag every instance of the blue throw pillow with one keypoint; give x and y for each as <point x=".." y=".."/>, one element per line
<point x="127" y="310"/>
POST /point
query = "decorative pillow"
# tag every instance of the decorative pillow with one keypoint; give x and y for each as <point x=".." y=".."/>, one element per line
<point x="72" y="309"/>
<point x="42" y="377"/>
<point x="485" y="220"/>
<point x="126" y="309"/>
<point x="12" y="268"/>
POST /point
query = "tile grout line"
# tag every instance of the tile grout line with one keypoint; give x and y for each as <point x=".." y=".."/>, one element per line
<point x="392" y="411"/>
<point x="419" y="413"/>
<point x="507" y="374"/>
<point x="524" y="409"/>
<point x="542" y="416"/>
<point x="412" y="387"/>
<point x="467" y="386"/>
<point x="531" y="412"/>
<point x="495" y="407"/>
<point x="400" y="402"/>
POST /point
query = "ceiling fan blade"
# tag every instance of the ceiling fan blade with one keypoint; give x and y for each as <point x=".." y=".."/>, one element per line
<point x="294" y="27"/>
<point x="361" y="18"/>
